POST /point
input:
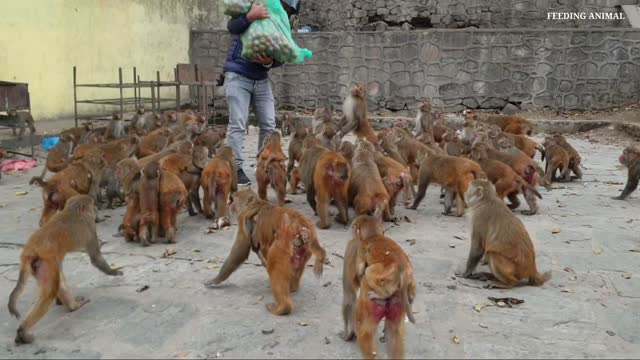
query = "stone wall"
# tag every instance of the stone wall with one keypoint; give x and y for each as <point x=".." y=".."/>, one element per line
<point x="457" y="69"/>
<point x="338" y="15"/>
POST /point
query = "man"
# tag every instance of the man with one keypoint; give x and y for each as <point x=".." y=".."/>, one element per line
<point x="247" y="83"/>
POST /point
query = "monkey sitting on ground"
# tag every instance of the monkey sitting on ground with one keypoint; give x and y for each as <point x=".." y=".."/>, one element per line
<point x="425" y="119"/>
<point x="574" y="158"/>
<point x="381" y="269"/>
<point x="58" y="157"/>
<point x="557" y="160"/>
<point x="328" y="136"/>
<point x="452" y="173"/>
<point x="367" y="192"/>
<point x="321" y="116"/>
<point x="630" y="158"/>
<point x="188" y="167"/>
<point x="499" y="236"/>
<point x="283" y="239"/>
<point x="270" y="168"/>
<point x="347" y="149"/>
<point x="115" y="129"/>
<point x="355" y="112"/>
<point x="24" y="120"/>
<point x="396" y="179"/>
<point x="153" y="142"/>
<point x="71" y="230"/>
<point x="173" y="198"/>
<point x="506" y="181"/>
<point x="295" y="146"/>
<point x="149" y="207"/>
<point x="211" y="139"/>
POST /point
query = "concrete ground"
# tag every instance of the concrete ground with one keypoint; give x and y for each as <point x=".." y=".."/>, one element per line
<point x="590" y="308"/>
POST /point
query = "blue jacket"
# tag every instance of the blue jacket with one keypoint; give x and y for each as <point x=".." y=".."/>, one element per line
<point x="235" y="62"/>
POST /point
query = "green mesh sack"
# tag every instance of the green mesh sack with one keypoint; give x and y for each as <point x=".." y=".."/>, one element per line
<point x="272" y="37"/>
<point x="236" y="7"/>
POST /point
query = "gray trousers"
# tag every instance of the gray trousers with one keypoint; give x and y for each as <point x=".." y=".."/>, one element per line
<point x="242" y="92"/>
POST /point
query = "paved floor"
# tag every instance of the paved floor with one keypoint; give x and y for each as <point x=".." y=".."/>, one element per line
<point x="590" y="308"/>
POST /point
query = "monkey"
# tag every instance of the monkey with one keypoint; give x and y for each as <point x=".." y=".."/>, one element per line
<point x="440" y="128"/>
<point x="367" y="192"/>
<point x="295" y="146"/>
<point x="311" y="153"/>
<point x="630" y="158"/>
<point x="331" y="177"/>
<point x="574" y="158"/>
<point x="499" y="236"/>
<point x="525" y="144"/>
<point x="128" y="174"/>
<point x="328" y="136"/>
<point x="388" y="146"/>
<point x="355" y="112"/>
<point x="149" y="203"/>
<point x="226" y="153"/>
<point x="76" y="134"/>
<point x="321" y="116"/>
<point x="270" y="168"/>
<point x="425" y="119"/>
<point x="347" y="149"/>
<point x="294" y="180"/>
<point x="452" y="173"/>
<point x="153" y="142"/>
<point x="211" y="139"/>
<point x="24" y="120"/>
<point x="396" y="179"/>
<point x="287" y="123"/>
<point x="189" y="169"/>
<point x="173" y="198"/>
<point x="513" y="124"/>
<point x="189" y="130"/>
<point x="82" y="176"/>
<point x="144" y="122"/>
<point x="115" y="129"/>
<point x="453" y="145"/>
<point x="557" y="159"/>
<point x="72" y="229"/>
<point x="283" y="239"/>
<point x="505" y="145"/>
<point x="378" y="266"/>
<point x="506" y="181"/>
<point x="58" y="157"/>
<point x="216" y="182"/>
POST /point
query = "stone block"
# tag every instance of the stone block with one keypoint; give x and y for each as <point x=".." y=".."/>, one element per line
<point x="451" y="91"/>
<point x="391" y="53"/>
<point x="493" y="103"/>
<point x="544" y="101"/>
<point x="510" y="109"/>
<point x="570" y="101"/>
<point x="620" y="54"/>
<point x="470" y="103"/>
<point x="565" y="86"/>
<point x="490" y="72"/>
<point x="430" y="54"/>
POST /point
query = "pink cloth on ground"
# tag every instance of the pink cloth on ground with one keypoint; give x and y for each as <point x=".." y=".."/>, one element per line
<point x="18" y="164"/>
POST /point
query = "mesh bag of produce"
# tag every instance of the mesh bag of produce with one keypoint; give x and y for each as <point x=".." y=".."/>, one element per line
<point x="272" y="37"/>
<point x="236" y="7"/>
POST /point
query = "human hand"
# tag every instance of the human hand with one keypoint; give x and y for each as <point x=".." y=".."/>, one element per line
<point x="257" y="12"/>
<point x="263" y="60"/>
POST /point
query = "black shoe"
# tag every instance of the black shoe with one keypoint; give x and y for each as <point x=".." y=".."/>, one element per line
<point x="242" y="178"/>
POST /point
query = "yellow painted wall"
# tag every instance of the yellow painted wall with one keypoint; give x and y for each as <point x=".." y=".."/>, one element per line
<point x="41" y="40"/>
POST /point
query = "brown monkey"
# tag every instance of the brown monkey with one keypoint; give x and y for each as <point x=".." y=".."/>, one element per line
<point x="506" y="181"/>
<point x="521" y="164"/>
<point x="557" y="160"/>
<point x="189" y="169"/>
<point x="331" y="177"/>
<point x="387" y="289"/>
<point x="312" y="151"/>
<point x="347" y="149"/>
<point x="82" y="176"/>
<point x="525" y="144"/>
<point x="440" y="128"/>
<point x="328" y="136"/>
<point x="144" y="122"/>
<point x="283" y="239"/>
<point x="355" y="112"/>
<point x="216" y="182"/>
<point x="499" y="236"/>
<point x="630" y="158"/>
<point x="58" y="157"/>
<point x="453" y="145"/>
<point x="366" y="189"/>
<point x="149" y="207"/>
<point x="153" y="142"/>
<point x="396" y="179"/>
<point x="295" y="146"/>
<point x="173" y="198"/>
<point x="115" y="129"/>
<point x="269" y="173"/>
<point x="72" y="229"/>
<point x="506" y="145"/>
<point x="76" y="134"/>
<point x="513" y="124"/>
<point x="226" y="153"/>
<point x="128" y="174"/>
<point x="321" y="116"/>
<point x="24" y="120"/>
<point x="211" y="139"/>
<point x="294" y="180"/>
<point x="574" y="157"/>
<point x="452" y="173"/>
<point x="425" y="119"/>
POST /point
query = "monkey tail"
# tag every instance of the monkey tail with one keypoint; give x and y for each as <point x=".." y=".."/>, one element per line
<point x="25" y="269"/>
<point x="539" y="278"/>
<point x="380" y="206"/>
<point x="404" y="288"/>
<point x="37" y="180"/>
<point x="542" y="150"/>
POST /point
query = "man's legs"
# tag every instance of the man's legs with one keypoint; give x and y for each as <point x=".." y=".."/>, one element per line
<point x="265" y="109"/>
<point x="238" y="91"/>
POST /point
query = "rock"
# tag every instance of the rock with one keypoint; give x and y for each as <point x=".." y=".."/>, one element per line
<point x="510" y="109"/>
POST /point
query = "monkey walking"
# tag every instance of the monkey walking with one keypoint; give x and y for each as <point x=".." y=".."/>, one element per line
<point x="71" y="230"/>
<point x="381" y="270"/>
<point x="283" y="239"/>
<point x="630" y="158"/>
<point x="500" y="237"/>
